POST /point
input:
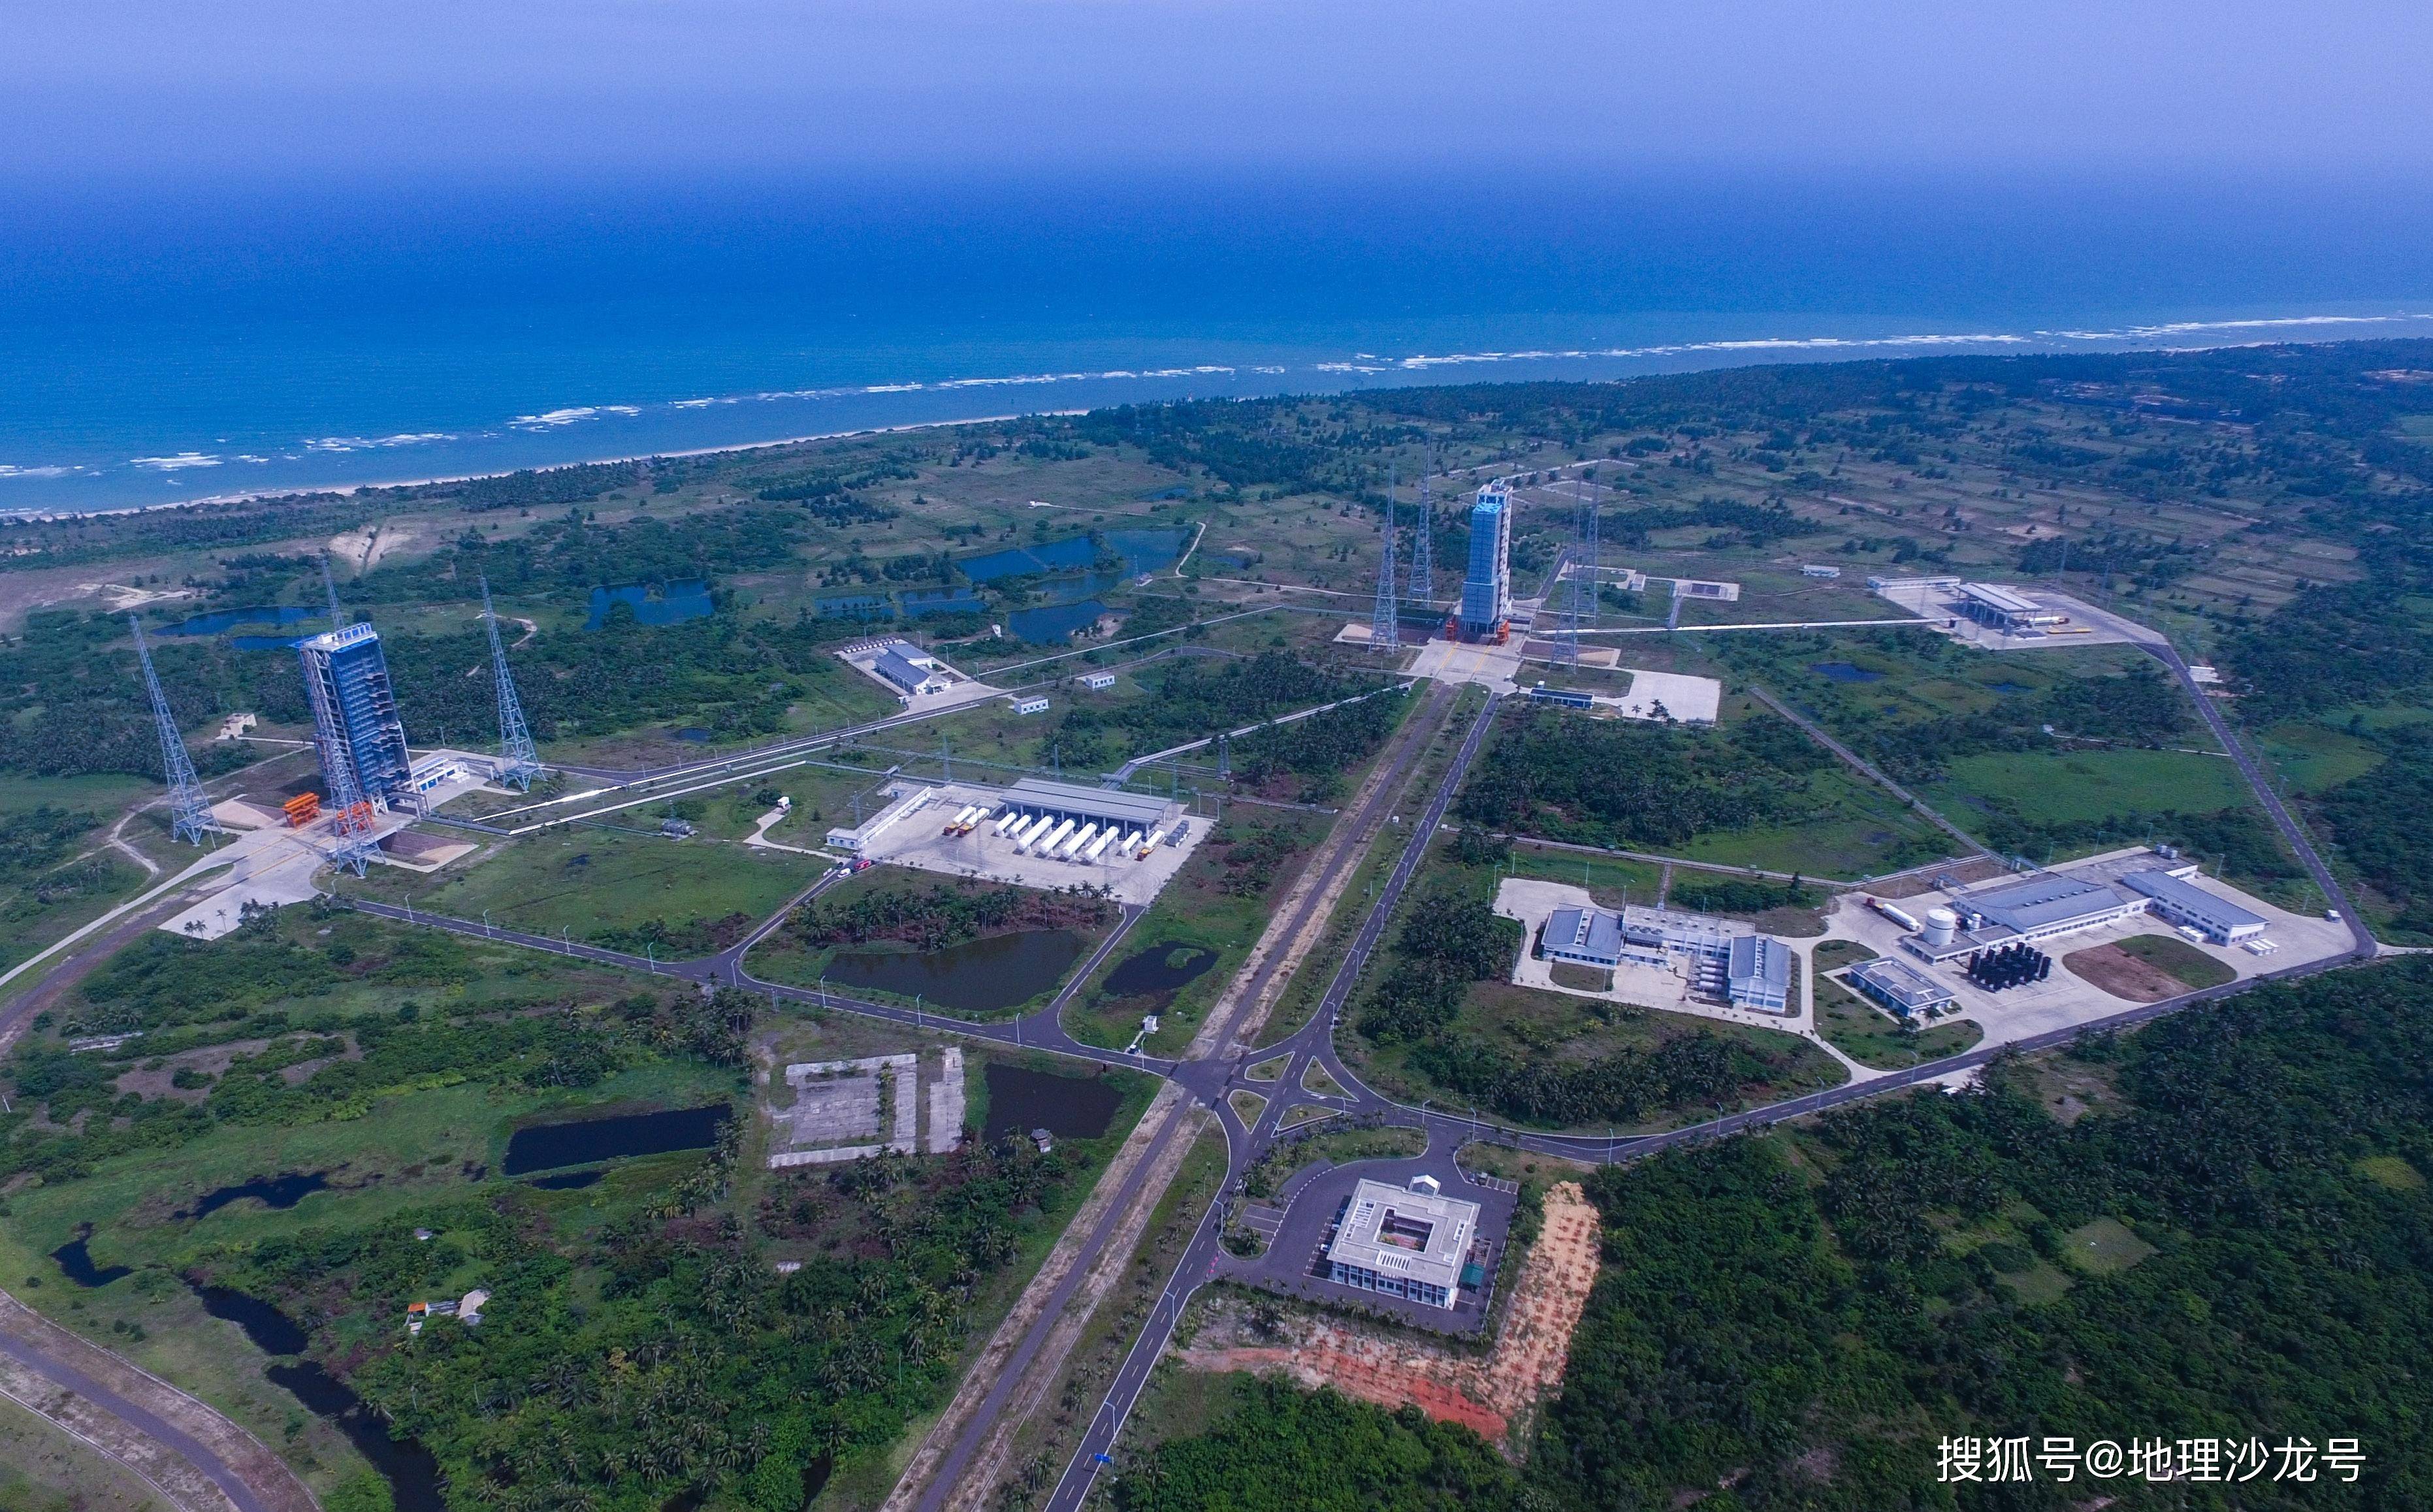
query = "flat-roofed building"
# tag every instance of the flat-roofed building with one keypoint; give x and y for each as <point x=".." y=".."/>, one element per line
<point x="1588" y="936"/>
<point x="1408" y="1243"/>
<point x="1040" y="798"/>
<point x="2008" y="610"/>
<point x="2183" y="902"/>
<point x="1903" y="989"/>
<point x="2048" y="905"/>
<point x="1758" y="975"/>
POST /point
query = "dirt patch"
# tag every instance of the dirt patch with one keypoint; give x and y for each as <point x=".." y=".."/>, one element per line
<point x="2112" y="970"/>
<point x="1495" y="1396"/>
<point x="1913" y="884"/>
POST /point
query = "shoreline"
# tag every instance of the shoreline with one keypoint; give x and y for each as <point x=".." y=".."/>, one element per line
<point x="350" y="491"/>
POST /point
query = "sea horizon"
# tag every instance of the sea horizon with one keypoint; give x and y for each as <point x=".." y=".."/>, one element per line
<point x="155" y="351"/>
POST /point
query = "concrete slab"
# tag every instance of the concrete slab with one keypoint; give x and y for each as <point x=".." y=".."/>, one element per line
<point x="1668" y="696"/>
<point x="2063" y="1000"/>
<point x="1452" y="661"/>
<point x="983" y="853"/>
<point x="2087" y="626"/>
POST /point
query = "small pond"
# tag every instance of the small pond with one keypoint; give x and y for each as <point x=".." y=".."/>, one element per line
<point x="2009" y="688"/>
<point x="1142" y="550"/>
<point x="565" y="1181"/>
<point x="583" y="1141"/>
<point x="76" y="1261"/>
<point x="270" y="1191"/>
<point x="1047" y="626"/>
<point x="412" y="1473"/>
<point x="1843" y="671"/>
<point x="693" y="733"/>
<point x="977" y="977"/>
<point x="1021" y="1100"/>
<point x="675" y="603"/>
<point x="1159" y="968"/>
<point x="220" y="621"/>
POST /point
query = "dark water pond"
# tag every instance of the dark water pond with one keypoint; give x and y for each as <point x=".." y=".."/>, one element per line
<point x="1021" y="1100"/>
<point x="1054" y="623"/>
<point x="2009" y="688"/>
<point x="564" y="1182"/>
<point x="77" y="1263"/>
<point x="678" y="603"/>
<point x="977" y="977"/>
<point x="220" y="621"/>
<point x="1142" y="550"/>
<point x="1843" y="671"/>
<point x="1159" y="968"/>
<point x="693" y="733"/>
<point x="412" y="1473"/>
<point x="583" y="1141"/>
<point x="271" y="1192"/>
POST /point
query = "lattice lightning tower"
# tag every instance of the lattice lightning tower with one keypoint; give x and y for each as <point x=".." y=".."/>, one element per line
<point x="518" y="762"/>
<point x="1385" y="621"/>
<point x="1423" y="572"/>
<point x="190" y="811"/>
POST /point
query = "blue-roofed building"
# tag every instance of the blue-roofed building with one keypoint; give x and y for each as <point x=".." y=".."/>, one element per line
<point x="1758" y="975"/>
<point x="354" y="715"/>
<point x="1486" y="609"/>
<point x="2048" y="905"/>
<point x="1591" y="937"/>
<point x="910" y="671"/>
<point x="2183" y="902"/>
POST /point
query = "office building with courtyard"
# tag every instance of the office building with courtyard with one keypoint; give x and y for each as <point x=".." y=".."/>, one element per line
<point x="1409" y="1242"/>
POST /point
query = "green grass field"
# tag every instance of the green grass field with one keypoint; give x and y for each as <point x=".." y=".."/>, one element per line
<point x="1558" y="1026"/>
<point x="589" y="881"/>
<point x="2069" y="787"/>
<point x="2178" y="958"/>
<point x="2316" y="757"/>
<point x="1854" y="1026"/>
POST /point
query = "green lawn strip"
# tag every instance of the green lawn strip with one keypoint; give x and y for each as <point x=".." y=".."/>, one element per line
<point x="1045" y="1442"/>
<point x="1247" y="1105"/>
<point x="1858" y="1030"/>
<point x="1315" y="1080"/>
<point x="2105" y="1246"/>
<point x="2065" y="787"/>
<point x="1336" y="1146"/>
<point x="1270" y="1069"/>
<point x="603" y="885"/>
<point x="1562" y="1032"/>
<point x="2315" y="757"/>
<point x="2177" y="959"/>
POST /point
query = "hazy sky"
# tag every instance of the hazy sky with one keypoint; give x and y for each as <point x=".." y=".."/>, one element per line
<point x="275" y="89"/>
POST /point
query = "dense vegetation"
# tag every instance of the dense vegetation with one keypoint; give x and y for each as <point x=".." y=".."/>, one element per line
<point x="1279" y="1450"/>
<point x="1193" y="696"/>
<point x="255" y="987"/>
<point x="1806" y="1328"/>
<point x="940" y="914"/>
<point x="2384" y="823"/>
<point x="662" y="1354"/>
<point x="1618" y="781"/>
<point x="1314" y="757"/>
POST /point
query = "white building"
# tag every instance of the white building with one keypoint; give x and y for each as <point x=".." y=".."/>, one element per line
<point x="1402" y="1242"/>
<point x="2183" y="902"/>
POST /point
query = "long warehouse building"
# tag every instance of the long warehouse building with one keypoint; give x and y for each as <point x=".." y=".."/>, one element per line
<point x="1106" y="808"/>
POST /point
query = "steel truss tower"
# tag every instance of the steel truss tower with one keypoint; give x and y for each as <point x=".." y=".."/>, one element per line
<point x="190" y="811"/>
<point x="1385" y="621"/>
<point x="352" y="816"/>
<point x="1423" y="571"/>
<point x="1580" y="603"/>
<point x="518" y="762"/>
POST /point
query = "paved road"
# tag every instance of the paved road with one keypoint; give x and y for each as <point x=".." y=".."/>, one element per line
<point x="1210" y="1077"/>
<point x="1816" y="733"/>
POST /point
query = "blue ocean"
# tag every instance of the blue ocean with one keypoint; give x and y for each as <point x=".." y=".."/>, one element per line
<point x="217" y="340"/>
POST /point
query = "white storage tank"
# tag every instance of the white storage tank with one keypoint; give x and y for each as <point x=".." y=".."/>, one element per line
<point x="1941" y="924"/>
